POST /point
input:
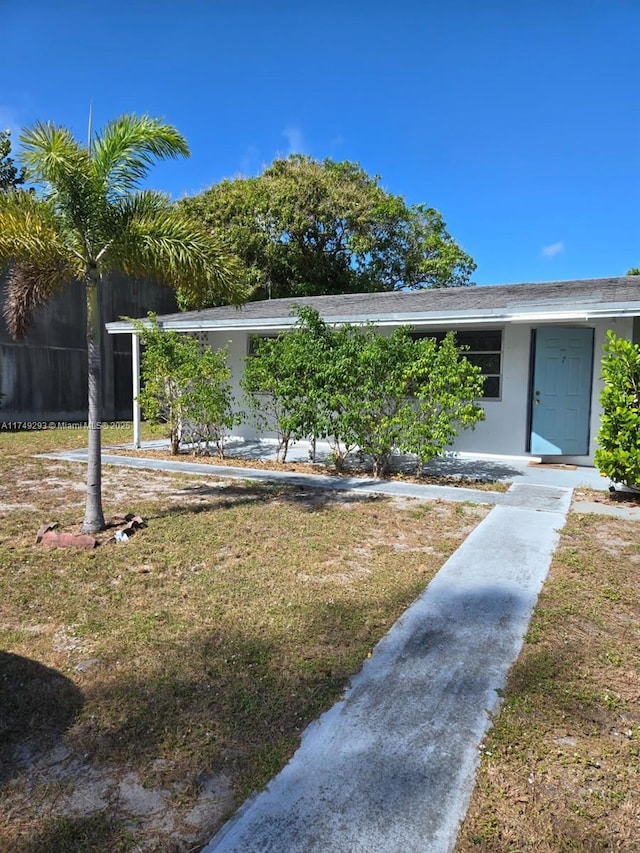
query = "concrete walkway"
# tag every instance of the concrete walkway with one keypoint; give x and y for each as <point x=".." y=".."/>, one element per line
<point x="498" y="469"/>
<point x="391" y="767"/>
<point x="491" y="469"/>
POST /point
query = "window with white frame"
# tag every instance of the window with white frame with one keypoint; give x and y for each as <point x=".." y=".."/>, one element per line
<point x="484" y="350"/>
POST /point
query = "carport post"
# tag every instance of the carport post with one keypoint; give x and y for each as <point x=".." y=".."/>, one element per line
<point x="135" y="372"/>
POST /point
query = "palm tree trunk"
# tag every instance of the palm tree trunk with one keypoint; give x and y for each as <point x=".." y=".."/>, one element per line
<point x="93" y="516"/>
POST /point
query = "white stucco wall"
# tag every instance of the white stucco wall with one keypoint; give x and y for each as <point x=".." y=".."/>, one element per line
<point x="505" y="429"/>
<point x="236" y="344"/>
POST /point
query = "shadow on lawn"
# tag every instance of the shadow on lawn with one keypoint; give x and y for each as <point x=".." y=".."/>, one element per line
<point x="205" y="498"/>
<point x="448" y="465"/>
<point x="36" y="703"/>
<point x="235" y="698"/>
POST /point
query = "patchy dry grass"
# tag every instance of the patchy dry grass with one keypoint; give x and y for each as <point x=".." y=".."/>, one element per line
<point x="619" y="498"/>
<point x="148" y="687"/>
<point x="560" y="771"/>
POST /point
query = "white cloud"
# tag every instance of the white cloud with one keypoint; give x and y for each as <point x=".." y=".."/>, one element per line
<point x="338" y="141"/>
<point x="552" y="250"/>
<point x="295" y="139"/>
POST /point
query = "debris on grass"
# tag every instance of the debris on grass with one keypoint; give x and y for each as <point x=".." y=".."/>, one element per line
<point x="49" y="537"/>
<point x="45" y="528"/>
<point x="63" y="539"/>
<point x="128" y="525"/>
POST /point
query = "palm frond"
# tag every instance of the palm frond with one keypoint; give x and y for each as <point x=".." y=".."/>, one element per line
<point x="161" y="242"/>
<point x="129" y="145"/>
<point x="29" y="227"/>
<point x="30" y="285"/>
<point x="33" y="247"/>
<point x="50" y="153"/>
<point x="143" y="204"/>
<point x="54" y="158"/>
<point x="117" y="217"/>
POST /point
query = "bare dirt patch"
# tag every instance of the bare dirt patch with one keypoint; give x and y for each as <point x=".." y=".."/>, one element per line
<point x="611" y="498"/>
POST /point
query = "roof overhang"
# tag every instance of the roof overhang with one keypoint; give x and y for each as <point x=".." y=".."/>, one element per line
<point x="453" y="319"/>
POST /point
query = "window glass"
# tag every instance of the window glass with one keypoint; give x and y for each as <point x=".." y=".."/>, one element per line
<point x="484" y="350"/>
<point x="489" y="362"/>
<point x="491" y="388"/>
<point x="481" y="341"/>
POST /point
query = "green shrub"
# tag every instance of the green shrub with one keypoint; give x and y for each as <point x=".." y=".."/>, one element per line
<point x="185" y="386"/>
<point x="358" y="388"/>
<point x="618" y="454"/>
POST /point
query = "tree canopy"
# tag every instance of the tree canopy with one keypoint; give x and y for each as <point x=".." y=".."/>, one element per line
<point x="10" y="176"/>
<point x="309" y="227"/>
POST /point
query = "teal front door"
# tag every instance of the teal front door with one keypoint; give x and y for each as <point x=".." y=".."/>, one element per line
<point x="561" y="404"/>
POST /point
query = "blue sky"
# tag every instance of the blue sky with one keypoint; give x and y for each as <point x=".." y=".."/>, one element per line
<point x="519" y="120"/>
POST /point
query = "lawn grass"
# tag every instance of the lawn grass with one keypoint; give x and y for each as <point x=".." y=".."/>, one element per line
<point x="69" y="437"/>
<point x="560" y="770"/>
<point x="149" y="687"/>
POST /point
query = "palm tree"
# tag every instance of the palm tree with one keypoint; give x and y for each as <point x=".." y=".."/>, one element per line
<point x="90" y="218"/>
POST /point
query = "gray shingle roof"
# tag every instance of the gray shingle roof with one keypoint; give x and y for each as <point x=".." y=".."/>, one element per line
<point x="606" y="296"/>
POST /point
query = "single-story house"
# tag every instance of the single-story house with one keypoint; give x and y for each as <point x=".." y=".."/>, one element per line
<point x="539" y="346"/>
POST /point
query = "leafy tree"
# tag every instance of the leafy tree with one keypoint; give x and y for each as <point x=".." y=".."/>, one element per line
<point x="10" y="177"/>
<point x="210" y="411"/>
<point x="277" y="381"/>
<point x="618" y="454"/>
<point x="185" y="386"/>
<point x="404" y="396"/>
<point x="336" y="378"/>
<point x="358" y="388"/>
<point x="90" y="218"/>
<point x="442" y="387"/>
<point x="633" y="271"/>
<point x="306" y="227"/>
